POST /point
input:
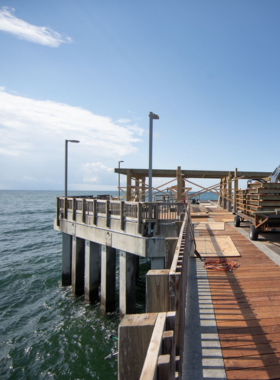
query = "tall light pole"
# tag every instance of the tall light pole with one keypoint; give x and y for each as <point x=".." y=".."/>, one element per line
<point x="152" y="116"/>
<point x="66" y="164"/>
<point x="119" y="180"/>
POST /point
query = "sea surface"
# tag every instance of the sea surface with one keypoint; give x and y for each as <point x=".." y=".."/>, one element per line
<point x="45" y="332"/>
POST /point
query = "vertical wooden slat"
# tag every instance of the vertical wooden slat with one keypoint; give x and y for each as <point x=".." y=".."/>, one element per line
<point x="73" y="209"/>
<point x="57" y="211"/>
<point x="163" y="370"/>
<point x="83" y="210"/>
<point x="107" y="214"/>
<point x="94" y="211"/>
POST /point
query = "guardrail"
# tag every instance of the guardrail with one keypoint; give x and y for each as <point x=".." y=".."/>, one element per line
<point x="88" y="210"/>
<point x="166" y="297"/>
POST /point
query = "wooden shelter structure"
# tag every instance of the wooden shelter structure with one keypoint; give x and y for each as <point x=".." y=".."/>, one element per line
<point x="226" y="189"/>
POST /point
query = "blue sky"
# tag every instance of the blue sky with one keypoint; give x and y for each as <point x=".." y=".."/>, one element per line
<point x="93" y="70"/>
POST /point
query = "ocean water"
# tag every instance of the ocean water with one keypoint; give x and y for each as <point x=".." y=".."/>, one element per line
<point x="45" y="332"/>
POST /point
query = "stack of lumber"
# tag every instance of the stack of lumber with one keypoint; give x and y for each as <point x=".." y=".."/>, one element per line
<point x="259" y="197"/>
<point x="241" y="200"/>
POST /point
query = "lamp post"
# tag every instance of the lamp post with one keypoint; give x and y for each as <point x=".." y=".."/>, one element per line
<point x="119" y="181"/>
<point x="66" y="163"/>
<point x="152" y="116"/>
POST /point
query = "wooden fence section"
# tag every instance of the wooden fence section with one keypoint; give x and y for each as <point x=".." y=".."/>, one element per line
<point x="166" y="298"/>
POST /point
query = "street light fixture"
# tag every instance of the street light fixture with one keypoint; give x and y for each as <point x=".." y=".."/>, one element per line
<point x="152" y="116"/>
<point x="119" y="181"/>
<point x="66" y="163"/>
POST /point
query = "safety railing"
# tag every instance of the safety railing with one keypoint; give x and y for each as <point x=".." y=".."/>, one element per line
<point x="88" y="210"/>
<point x="162" y="351"/>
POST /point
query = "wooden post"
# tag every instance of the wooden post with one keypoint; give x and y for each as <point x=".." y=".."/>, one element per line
<point x="170" y="246"/>
<point x="169" y="348"/>
<point x="235" y="190"/>
<point x="135" y="332"/>
<point x="157" y="291"/>
<point x="94" y="211"/>
<point x="143" y="189"/>
<point x="122" y="215"/>
<point x="139" y="221"/>
<point x="136" y="196"/>
<point x="229" y="194"/>
<point x="225" y="194"/>
<point x="65" y="208"/>
<point x="221" y="193"/>
<point x="164" y="367"/>
<point x="128" y="185"/>
<point x="179" y="184"/>
<point x="83" y="210"/>
<point x="149" y="371"/>
<point x="107" y="214"/>
<point x="73" y="209"/>
<point x="57" y="211"/>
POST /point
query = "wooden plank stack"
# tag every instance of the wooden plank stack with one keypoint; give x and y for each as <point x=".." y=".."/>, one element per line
<point x="259" y="197"/>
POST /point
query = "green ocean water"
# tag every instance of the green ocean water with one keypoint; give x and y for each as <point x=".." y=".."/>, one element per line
<point x="45" y="332"/>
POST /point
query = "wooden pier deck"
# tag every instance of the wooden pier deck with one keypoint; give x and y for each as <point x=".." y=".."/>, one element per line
<point x="245" y="305"/>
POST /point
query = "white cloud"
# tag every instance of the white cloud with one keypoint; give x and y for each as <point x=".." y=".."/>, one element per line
<point x="96" y="172"/>
<point x="123" y="121"/>
<point x="38" y="34"/>
<point x="32" y="135"/>
<point x="31" y="125"/>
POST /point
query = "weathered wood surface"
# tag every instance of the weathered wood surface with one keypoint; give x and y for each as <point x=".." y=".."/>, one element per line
<point x="247" y="310"/>
<point x="135" y="332"/>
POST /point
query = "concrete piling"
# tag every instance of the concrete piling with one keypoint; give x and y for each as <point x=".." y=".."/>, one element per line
<point x="78" y="265"/>
<point x="92" y="270"/>
<point x="128" y="273"/>
<point x="108" y="278"/>
<point x="66" y="259"/>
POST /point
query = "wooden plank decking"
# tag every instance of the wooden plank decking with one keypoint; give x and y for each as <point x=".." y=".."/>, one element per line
<point x="246" y="305"/>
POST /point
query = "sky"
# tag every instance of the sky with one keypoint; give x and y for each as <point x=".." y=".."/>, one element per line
<point x="93" y="70"/>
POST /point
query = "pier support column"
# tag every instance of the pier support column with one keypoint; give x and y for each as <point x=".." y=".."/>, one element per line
<point x="78" y="266"/>
<point x="235" y="188"/>
<point x="224" y="205"/>
<point x="128" y="271"/>
<point x="92" y="271"/>
<point x="179" y="184"/>
<point x="157" y="263"/>
<point x="128" y="185"/>
<point x="143" y="189"/>
<point x="108" y="278"/>
<point x="66" y="259"/>
<point x="221" y="193"/>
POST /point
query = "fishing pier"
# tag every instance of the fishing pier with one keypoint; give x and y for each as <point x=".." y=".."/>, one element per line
<point x="199" y="323"/>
